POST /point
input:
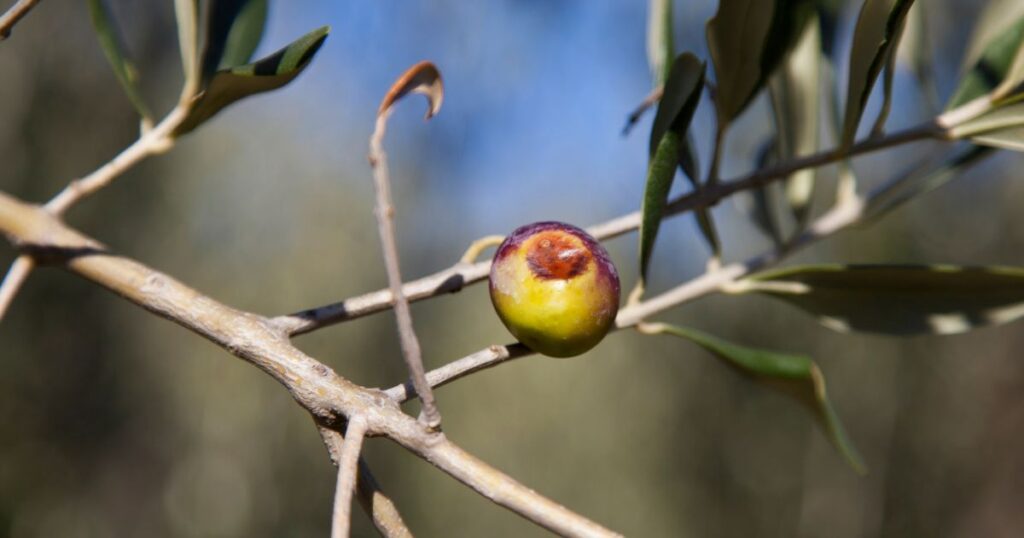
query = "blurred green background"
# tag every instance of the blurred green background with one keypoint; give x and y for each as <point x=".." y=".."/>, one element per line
<point x="116" y="423"/>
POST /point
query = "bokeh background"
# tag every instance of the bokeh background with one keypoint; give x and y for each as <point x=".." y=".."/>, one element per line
<point x="116" y="423"/>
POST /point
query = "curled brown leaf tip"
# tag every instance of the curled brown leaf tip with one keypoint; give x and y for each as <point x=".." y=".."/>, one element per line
<point x="422" y="78"/>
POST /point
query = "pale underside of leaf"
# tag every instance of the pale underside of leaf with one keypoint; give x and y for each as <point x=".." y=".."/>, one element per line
<point x="915" y="51"/>
<point x="188" y="42"/>
<point x="795" y="91"/>
<point x="795" y="375"/>
<point x="899" y="299"/>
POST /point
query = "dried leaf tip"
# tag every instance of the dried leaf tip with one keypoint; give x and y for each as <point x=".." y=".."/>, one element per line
<point x="422" y="78"/>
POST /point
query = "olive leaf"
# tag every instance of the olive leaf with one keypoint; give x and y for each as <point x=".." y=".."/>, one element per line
<point x="1000" y="122"/>
<point x="915" y="51"/>
<point x="747" y="40"/>
<point x="186" y="15"/>
<point x="667" y="146"/>
<point x="923" y="180"/>
<point x="245" y="34"/>
<point x="795" y="375"/>
<point x="116" y="53"/>
<point x="997" y="42"/>
<point x="899" y="299"/>
<point x="794" y="91"/>
<point x="233" y="29"/>
<point x="660" y="41"/>
<point x="875" y="37"/>
<point x="229" y="85"/>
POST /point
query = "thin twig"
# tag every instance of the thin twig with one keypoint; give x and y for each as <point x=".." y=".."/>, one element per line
<point x="157" y="140"/>
<point x="16" y="276"/>
<point x="348" y="468"/>
<point x="457" y="277"/>
<point x="13" y="15"/>
<point x="407" y="335"/>
<point x="375" y="503"/>
<point x="420" y="78"/>
<point x="648" y="102"/>
<point x="480" y="360"/>
<point x="256" y="340"/>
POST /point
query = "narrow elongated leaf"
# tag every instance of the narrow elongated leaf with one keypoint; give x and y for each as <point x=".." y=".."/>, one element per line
<point x="220" y="17"/>
<point x="116" y="53"/>
<point x="272" y="72"/>
<point x="766" y="206"/>
<point x="747" y="40"/>
<point x="795" y="91"/>
<point x="668" y="146"/>
<point x="795" y="375"/>
<point x="915" y="50"/>
<point x="900" y="299"/>
<point x="993" y="59"/>
<point x="924" y="180"/>
<point x="874" y="39"/>
<point x="186" y="15"/>
<point x="998" y="119"/>
<point x="660" y="42"/>
<point x="245" y="34"/>
<point x="888" y="77"/>
<point x="1012" y="139"/>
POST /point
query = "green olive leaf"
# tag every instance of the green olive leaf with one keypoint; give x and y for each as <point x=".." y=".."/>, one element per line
<point x="233" y="29"/>
<point x="795" y="375"/>
<point x="874" y="39"/>
<point x="272" y="72"/>
<point x="116" y="53"/>
<point x="668" y="146"/>
<point x="899" y="299"/>
<point x="245" y="34"/>
<point x="996" y="41"/>
<point x="747" y="40"/>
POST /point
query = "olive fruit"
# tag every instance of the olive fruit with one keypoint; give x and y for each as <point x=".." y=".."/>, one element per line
<point x="555" y="288"/>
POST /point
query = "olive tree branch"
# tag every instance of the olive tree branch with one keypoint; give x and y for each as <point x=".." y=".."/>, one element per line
<point x="460" y="275"/>
<point x="375" y="503"/>
<point x="348" y="468"/>
<point x="13" y="15"/>
<point x="326" y="395"/>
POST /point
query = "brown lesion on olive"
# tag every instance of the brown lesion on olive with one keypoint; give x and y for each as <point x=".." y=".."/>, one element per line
<point x="555" y="255"/>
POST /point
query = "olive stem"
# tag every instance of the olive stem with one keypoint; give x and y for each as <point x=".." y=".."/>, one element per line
<point x="348" y="468"/>
<point x="478" y="246"/>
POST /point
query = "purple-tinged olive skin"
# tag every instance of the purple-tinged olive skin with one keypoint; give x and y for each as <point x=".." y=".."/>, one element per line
<point x="555" y="288"/>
